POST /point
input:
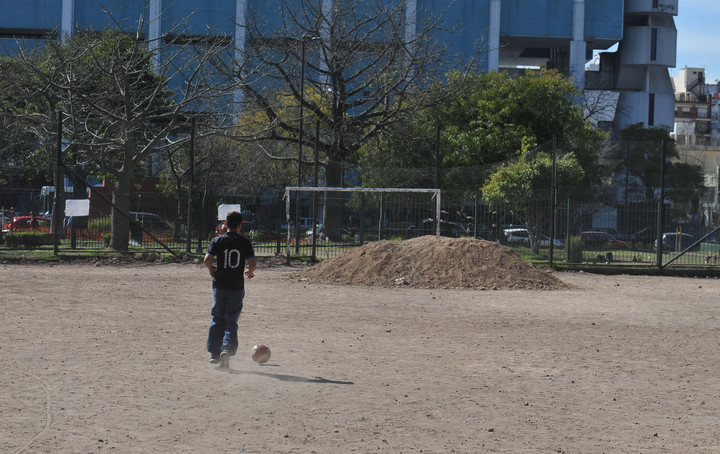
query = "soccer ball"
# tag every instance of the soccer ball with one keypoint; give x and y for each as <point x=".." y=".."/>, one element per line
<point x="260" y="353"/>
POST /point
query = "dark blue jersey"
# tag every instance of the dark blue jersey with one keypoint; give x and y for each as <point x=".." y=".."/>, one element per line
<point x="230" y="251"/>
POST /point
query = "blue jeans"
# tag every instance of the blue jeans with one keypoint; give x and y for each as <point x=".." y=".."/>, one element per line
<point x="225" y="314"/>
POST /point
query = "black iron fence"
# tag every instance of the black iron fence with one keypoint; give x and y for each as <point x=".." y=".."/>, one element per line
<point x="570" y="232"/>
<point x="641" y="216"/>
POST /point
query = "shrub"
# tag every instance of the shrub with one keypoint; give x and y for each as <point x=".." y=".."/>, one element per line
<point x="27" y="240"/>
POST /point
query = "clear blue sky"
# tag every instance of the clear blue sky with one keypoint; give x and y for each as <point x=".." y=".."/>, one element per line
<point x="698" y="37"/>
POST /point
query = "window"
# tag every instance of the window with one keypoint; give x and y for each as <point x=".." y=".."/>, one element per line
<point x="653" y="43"/>
<point x="651" y="109"/>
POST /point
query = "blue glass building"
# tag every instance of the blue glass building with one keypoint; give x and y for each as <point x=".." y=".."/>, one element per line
<point x="562" y="34"/>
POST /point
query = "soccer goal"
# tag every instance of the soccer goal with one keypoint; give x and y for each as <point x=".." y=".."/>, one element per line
<point x="370" y="213"/>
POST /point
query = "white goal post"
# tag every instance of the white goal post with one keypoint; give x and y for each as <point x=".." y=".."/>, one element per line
<point x="290" y="189"/>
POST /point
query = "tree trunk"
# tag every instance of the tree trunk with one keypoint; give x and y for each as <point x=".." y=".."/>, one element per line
<point x="333" y="223"/>
<point x="121" y="203"/>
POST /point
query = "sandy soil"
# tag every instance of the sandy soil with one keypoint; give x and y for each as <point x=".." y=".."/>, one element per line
<point x="111" y="359"/>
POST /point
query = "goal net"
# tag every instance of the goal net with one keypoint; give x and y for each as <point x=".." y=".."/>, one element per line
<point x="359" y="214"/>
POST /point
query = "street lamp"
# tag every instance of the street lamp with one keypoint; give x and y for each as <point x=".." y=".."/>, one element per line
<point x="303" y="40"/>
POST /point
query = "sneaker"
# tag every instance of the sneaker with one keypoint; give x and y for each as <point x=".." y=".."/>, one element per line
<point x="224" y="360"/>
<point x="214" y="359"/>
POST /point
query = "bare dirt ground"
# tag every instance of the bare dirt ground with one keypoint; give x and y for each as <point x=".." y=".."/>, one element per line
<point x="111" y="359"/>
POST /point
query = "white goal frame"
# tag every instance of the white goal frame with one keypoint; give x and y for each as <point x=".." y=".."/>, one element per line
<point x="290" y="189"/>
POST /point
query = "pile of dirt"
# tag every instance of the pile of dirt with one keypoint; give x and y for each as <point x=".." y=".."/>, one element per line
<point x="432" y="262"/>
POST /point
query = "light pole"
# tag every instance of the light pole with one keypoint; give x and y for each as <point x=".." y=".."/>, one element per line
<point x="303" y="40"/>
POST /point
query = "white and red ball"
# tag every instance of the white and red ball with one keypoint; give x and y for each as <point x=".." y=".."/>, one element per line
<point x="260" y="353"/>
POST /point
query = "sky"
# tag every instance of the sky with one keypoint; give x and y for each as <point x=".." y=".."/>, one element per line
<point x="698" y="37"/>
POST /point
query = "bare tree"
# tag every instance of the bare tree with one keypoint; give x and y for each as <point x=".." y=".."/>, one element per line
<point x="225" y="168"/>
<point x="128" y="98"/>
<point x="599" y="106"/>
<point x="357" y="67"/>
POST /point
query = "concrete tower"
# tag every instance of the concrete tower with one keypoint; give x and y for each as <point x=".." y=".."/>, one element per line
<point x="645" y="53"/>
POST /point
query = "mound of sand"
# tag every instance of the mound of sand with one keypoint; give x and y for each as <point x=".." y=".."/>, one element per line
<point x="432" y="262"/>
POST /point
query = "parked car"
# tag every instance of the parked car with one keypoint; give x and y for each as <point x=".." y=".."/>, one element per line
<point x="544" y="241"/>
<point x="5" y="216"/>
<point x="222" y="228"/>
<point x="601" y="240"/>
<point x="517" y="237"/>
<point x="401" y="229"/>
<point x="695" y="229"/>
<point x="151" y="222"/>
<point x="305" y="225"/>
<point x="481" y="231"/>
<point x="447" y="228"/>
<point x="676" y="242"/>
<point x="644" y="235"/>
<point x="29" y="224"/>
<point x="612" y="231"/>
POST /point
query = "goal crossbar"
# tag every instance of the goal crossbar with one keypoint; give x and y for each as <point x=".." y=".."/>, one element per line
<point x="331" y="189"/>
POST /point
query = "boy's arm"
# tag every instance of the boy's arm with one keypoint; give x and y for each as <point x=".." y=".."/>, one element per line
<point x="252" y="264"/>
<point x="208" y="262"/>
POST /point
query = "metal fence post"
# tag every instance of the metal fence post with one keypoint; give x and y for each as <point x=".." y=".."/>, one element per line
<point x="191" y="170"/>
<point x="661" y="208"/>
<point x="567" y="233"/>
<point x="437" y="174"/>
<point x="202" y="223"/>
<point x="553" y="206"/>
<point x="380" y="217"/>
<point x="475" y="216"/>
<point x="315" y="195"/>
<point x="59" y="187"/>
<point x="287" y="223"/>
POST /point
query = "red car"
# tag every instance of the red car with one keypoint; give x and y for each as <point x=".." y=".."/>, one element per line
<point x="221" y="228"/>
<point x="29" y="224"/>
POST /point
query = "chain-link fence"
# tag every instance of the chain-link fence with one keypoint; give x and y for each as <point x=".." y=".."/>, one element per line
<point x="618" y="221"/>
<point x="583" y="232"/>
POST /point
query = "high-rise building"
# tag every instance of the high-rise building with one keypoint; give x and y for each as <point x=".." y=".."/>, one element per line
<point x="693" y="108"/>
<point x="562" y="34"/>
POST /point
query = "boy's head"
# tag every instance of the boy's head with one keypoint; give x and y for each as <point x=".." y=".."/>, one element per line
<point x="234" y="219"/>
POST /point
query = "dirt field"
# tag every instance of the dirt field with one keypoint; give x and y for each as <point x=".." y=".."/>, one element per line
<point x="111" y="359"/>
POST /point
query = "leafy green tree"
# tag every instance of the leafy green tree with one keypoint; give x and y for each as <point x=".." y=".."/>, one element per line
<point x="524" y="187"/>
<point x="493" y="119"/>
<point x="637" y="165"/>
<point x="26" y="132"/>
